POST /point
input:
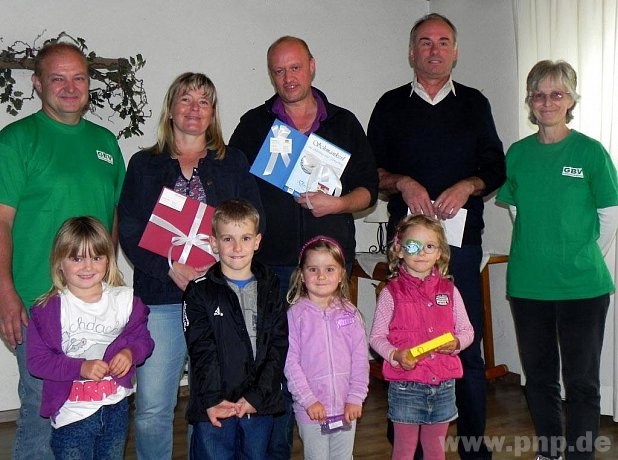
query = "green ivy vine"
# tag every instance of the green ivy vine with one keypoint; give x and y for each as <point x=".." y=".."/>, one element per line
<point x="113" y="82"/>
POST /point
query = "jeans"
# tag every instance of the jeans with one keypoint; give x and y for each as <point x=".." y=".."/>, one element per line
<point x="420" y="403"/>
<point x="243" y="438"/>
<point x="102" y="436"/>
<point x="33" y="431"/>
<point x="569" y="332"/>
<point x="282" y="436"/>
<point x="157" y="383"/>
<point x="471" y="389"/>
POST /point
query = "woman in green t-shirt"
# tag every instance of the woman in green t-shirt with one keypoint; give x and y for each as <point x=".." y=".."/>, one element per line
<point x="562" y="189"/>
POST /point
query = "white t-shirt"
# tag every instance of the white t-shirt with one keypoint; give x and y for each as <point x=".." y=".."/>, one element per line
<point x="87" y="331"/>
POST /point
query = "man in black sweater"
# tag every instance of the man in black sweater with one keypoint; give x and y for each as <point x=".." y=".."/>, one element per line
<point x="437" y="151"/>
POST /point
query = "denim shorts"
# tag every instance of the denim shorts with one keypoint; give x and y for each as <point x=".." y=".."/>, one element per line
<point x="420" y="403"/>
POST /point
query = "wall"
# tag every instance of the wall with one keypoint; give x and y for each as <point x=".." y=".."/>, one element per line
<point x="360" y="48"/>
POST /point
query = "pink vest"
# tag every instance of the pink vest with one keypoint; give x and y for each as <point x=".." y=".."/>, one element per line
<point x="423" y="310"/>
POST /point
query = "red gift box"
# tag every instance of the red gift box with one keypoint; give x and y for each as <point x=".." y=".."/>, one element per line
<point x="179" y="229"/>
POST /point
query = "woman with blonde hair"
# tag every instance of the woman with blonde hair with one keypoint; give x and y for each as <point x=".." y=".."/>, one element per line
<point x="191" y="158"/>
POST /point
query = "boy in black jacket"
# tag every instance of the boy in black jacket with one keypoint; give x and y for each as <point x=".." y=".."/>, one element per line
<point x="237" y="336"/>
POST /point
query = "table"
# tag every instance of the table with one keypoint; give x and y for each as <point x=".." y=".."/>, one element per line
<point x="380" y="272"/>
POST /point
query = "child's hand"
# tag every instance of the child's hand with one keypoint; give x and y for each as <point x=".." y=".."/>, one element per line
<point x="121" y="363"/>
<point x="352" y="411"/>
<point x="316" y="411"/>
<point x="450" y="347"/>
<point x="94" y="369"/>
<point x="244" y="407"/>
<point x="224" y="409"/>
<point x="404" y="359"/>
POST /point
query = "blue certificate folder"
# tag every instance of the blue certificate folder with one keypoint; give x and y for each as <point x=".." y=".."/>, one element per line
<point x="283" y="145"/>
<point x="295" y="163"/>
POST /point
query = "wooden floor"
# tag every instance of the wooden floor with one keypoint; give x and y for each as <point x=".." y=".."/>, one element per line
<point x="508" y="422"/>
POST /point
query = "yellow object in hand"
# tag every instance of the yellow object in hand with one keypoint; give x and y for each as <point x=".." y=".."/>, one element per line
<point x="427" y="347"/>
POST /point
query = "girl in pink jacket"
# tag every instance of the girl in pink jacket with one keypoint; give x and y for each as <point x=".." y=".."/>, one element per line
<point x="420" y="303"/>
<point x="327" y="365"/>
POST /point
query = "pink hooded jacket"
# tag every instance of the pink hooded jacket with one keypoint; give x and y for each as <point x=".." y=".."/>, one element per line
<point x="328" y="357"/>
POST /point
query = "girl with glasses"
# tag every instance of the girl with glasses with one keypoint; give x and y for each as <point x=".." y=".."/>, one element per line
<point x="420" y="302"/>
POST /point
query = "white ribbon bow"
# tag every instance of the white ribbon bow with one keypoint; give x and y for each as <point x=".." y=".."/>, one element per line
<point x="279" y="145"/>
<point x="321" y="174"/>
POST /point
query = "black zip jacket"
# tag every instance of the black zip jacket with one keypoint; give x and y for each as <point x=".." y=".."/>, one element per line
<point x="221" y="357"/>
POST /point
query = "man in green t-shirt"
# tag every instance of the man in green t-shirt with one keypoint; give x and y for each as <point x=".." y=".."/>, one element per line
<point x="53" y="165"/>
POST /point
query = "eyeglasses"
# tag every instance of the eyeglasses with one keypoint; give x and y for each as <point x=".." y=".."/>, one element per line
<point x="414" y="247"/>
<point x="554" y="96"/>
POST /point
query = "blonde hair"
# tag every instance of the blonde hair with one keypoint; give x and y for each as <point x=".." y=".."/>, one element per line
<point x="297" y="287"/>
<point x="81" y="236"/>
<point x="394" y="262"/>
<point x="181" y="85"/>
<point x="235" y="210"/>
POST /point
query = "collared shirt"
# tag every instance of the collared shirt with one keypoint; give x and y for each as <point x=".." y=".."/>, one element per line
<point x="418" y="89"/>
<point x="279" y="111"/>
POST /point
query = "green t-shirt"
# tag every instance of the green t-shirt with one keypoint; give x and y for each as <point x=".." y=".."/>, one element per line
<point x="557" y="189"/>
<point x="49" y="172"/>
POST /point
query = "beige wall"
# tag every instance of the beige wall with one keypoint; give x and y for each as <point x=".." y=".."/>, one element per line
<point x="360" y="48"/>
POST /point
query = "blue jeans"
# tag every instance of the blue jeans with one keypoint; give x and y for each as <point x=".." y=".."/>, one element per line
<point x="471" y="390"/>
<point x="569" y="332"/>
<point x="243" y="438"/>
<point x="420" y="403"/>
<point x="157" y="383"/>
<point x="33" y="431"/>
<point x="102" y="436"/>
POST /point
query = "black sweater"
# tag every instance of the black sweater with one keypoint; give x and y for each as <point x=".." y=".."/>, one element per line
<point x="438" y="145"/>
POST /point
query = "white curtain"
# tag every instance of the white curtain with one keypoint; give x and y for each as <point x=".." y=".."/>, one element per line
<point x="583" y="33"/>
